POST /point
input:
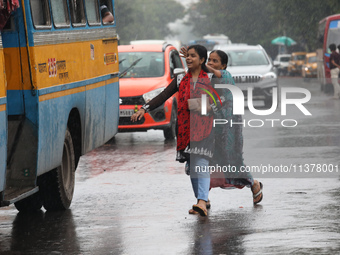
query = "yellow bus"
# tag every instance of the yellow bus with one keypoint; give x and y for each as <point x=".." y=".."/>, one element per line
<point x="59" y="97"/>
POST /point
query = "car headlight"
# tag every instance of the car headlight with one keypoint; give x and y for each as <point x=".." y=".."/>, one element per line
<point x="151" y="94"/>
<point x="271" y="76"/>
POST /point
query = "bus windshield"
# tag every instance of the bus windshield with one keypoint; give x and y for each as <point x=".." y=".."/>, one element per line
<point x="333" y="33"/>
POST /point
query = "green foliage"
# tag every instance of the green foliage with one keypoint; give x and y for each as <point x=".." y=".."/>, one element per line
<point x="260" y="21"/>
<point x="145" y="19"/>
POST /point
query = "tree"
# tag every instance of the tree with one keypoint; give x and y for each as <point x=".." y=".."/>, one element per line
<point x="145" y="19"/>
<point x="260" y="21"/>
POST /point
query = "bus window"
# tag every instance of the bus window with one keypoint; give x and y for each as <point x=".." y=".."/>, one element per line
<point x="106" y="9"/>
<point x="60" y="13"/>
<point x="92" y="12"/>
<point x="40" y="13"/>
<point x="77" y="12"/>
<point x="321" y="32"/>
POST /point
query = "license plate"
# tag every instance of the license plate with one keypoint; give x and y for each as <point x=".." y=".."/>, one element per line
<point x="126" y="113"/>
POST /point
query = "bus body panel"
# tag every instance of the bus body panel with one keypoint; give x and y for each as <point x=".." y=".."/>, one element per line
<point x="58" y="79"/>
<point x="53" y="118"/>
<point x="325" y="26"/>
<point x="3" y="141"/>
<point x="112" y="109"/>
<point x="3" y="123"/>
<point x="69" y="72"/>
<point x="18" y="79"/>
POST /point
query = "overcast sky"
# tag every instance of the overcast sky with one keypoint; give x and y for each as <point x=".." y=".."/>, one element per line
<point x="187" y="2"/>
<point x="185" y="34"/>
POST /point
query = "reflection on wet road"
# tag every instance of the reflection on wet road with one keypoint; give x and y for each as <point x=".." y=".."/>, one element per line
<point x="132" y="197"/>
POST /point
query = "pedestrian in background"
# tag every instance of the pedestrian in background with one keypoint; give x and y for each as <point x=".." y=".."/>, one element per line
<point x="334" y="65"/>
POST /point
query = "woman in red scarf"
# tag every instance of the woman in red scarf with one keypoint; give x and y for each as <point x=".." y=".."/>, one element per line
<point x="195" y="140"/>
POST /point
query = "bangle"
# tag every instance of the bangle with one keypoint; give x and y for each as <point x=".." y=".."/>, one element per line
<point x="145" y="108"/>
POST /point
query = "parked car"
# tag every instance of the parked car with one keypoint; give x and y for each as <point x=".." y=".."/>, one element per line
<point x="295" y="64"/>
<point x="250" y="66"/>
<point x="309" y="68"/>
<point x="282" y="61"/>
<point x="146" y="70"/>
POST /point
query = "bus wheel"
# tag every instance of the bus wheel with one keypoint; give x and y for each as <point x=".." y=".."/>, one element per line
<point x="32" y="203"/>
<point x="58" y="184"/>
<point x="170" y="132"/>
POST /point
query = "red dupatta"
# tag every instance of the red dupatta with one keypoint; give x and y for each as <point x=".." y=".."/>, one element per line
<point x="198" y="126"/>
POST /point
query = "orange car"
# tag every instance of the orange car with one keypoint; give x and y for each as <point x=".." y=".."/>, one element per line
<point x="295" y="64"/>
<point x="309" y="68"/>
<point x="145" y="71"/>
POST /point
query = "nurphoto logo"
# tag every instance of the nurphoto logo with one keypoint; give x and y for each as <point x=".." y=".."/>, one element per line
<point x="238" y="105"/>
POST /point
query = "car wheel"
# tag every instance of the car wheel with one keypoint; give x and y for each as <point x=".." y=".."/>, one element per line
<point x="170" y="132"/>
<point x="32" y="203"/>
<point x="58" y="184"/>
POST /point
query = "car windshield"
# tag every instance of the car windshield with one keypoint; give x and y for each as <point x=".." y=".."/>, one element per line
<point x="150" y="64"/>
<point x="299" y="57"/>
<point x="312" y="59"/>
<point x="247" y="58"/>
<point x="284" y="59"/>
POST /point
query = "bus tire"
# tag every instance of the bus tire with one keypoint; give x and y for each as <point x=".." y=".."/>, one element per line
<point x="58" y="184"/>
<point x="32" y="203"/>
<point x="170" y="132"/>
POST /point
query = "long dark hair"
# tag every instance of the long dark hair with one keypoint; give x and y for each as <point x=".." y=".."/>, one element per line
<point x="223" y="56"/>
<point x="202" y="53"/>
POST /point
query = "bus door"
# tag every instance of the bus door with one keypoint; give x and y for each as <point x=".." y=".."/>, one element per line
<point x="21" y="167"/>
<point x="3" y="123"/>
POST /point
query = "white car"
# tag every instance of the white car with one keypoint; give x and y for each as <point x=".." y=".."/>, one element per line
<point x="251" y="67"/>
<point x="282" y="60"/>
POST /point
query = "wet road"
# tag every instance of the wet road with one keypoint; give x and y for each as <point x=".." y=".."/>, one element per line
<point x="132" y="197"/>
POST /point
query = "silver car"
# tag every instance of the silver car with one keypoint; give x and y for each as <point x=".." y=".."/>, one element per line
<point x="251" y="67"/>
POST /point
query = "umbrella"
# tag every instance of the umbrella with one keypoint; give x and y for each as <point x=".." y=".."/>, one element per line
<point x="283" y="40"/>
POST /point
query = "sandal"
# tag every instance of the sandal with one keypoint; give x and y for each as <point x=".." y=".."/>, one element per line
<point x="208" y="204"/>
<point x="259" y="193"/>
<point x="202" y="211"/>
<point x="192" y="211"/>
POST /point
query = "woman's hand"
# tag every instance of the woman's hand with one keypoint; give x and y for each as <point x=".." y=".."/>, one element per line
<point x="214" y="71"/>
<point x="138" y="115"/>
<point x="184" y="52"/>
<point x="211" y="70"/>
<point x="195" y="104"/>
